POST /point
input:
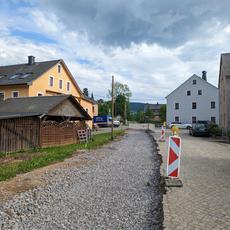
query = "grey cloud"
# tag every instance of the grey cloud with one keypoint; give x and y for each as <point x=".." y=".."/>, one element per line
<point x="119" y="22"/>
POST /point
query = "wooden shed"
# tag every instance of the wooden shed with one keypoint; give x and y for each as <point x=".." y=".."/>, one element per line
<point x="40" y="122"/>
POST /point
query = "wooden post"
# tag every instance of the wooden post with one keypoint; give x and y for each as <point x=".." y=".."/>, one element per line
<point x="112" y="107"/>
<point x="125" y="112"/>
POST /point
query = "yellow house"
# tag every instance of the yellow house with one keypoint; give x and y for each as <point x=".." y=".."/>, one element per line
<point x="42" y="79"/>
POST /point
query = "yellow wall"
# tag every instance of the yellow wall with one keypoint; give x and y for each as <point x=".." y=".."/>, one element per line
<point x="41" y="84"/>
<point x="7" y="90"/>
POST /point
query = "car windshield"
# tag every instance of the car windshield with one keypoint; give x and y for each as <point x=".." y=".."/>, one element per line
<point x="200" y="126"/>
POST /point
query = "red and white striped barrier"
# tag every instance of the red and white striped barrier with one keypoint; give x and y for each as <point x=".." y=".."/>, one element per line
<point x="174" y="153"/>
<point x="162" y="137"/>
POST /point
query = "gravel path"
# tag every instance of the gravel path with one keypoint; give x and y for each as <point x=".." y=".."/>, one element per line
<point x="120" y="191"/>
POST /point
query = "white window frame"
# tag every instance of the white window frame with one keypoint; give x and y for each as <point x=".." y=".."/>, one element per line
<point x="68" y="82"/>
<point x="60" y="68"/>
<point x="42" y="94"/>
<point x="12" y="94"/>
<point x="60" y="80"/>
<point x="49" y="81"/>
<point x="3" y="92"/>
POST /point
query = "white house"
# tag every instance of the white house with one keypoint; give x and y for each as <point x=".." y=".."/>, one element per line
<point x="194" y="100"/>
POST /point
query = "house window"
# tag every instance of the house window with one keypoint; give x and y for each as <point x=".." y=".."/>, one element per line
<point x="93" y="109"/>
<point x="194" y="82"/>
<point x="68" y="86"/>
<point x="59" y="68"/>
<point x="193" y="119"/>
<point x="15" y="94"/>
<point x="188" y="93"/>
<point x="2" y="96"/>
<point x="194" y="105"/>
<point x="199" y="92"/>
<point x="176" y="119"/>
<point x="40" y="94"/>
<point x="51" y="81"/>
<point x="213" y="120"/>
<point x="176" y="105"/>
<point x="213" y="105"/>
<point x="60" y="84"/>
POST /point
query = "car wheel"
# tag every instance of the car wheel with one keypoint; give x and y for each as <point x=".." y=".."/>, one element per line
<point x="188" y="127"/>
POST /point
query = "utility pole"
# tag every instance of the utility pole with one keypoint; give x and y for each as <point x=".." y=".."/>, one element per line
<point x="112" y="107"/>
<point x="125" y="112"/>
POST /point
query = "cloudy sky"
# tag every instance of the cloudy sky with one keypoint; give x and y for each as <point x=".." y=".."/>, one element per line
<point x="153" y="46"/>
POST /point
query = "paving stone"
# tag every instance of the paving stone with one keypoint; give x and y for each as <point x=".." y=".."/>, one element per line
<point x="204" y="200"/>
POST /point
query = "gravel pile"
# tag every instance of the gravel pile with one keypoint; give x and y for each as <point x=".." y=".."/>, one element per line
<point x="120" y="191"/>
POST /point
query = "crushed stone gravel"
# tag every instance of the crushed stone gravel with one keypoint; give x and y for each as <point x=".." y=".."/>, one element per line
<point x="121" y="191"/>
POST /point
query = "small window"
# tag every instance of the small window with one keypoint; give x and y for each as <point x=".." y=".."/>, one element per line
<point x="193" y="119"/>
<point x="15" y="94"/>
<point x="176" y="119"/>
<point x="93" y="109"/>
<point x="15" y="75"/>
<point x="213" y="120"/>
<point x="176" y="105"/>
<point x="40" y="94"/>
<point x="199" y="92"/>
<point x="213" y="105"/>
<point x="2" y="75"/>
<point x="194" y="105"/>
<point x="51" y="81"/>
<point x="68" y="86"/>
<point x="194" y="82"/>
<point x="60" y="84"/>
<point x="2" y="96"/>
<point x="59" y="68"/>
<point x="188" y="93"/>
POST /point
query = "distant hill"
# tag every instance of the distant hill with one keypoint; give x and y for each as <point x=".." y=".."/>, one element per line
<point x="135" y="106"/>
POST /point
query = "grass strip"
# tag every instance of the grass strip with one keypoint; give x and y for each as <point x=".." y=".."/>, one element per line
<point x="25" y="161"/>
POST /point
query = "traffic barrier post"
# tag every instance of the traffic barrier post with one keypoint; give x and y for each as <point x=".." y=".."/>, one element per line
<point x="174" y="153"/>
<point x="162" y="137"/>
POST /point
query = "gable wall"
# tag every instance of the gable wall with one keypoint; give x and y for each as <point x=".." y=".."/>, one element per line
<point x="41" y="84"/>
<point x="185" y="111"/>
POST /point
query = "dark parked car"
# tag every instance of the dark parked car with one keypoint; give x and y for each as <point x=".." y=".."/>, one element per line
<point x="199" y="129"/>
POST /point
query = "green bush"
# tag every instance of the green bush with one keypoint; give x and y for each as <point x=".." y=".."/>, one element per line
<point x="215" y="130"/>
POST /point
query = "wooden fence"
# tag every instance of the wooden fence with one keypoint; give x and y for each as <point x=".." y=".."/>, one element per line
<point x="55" y="134"/>
<point x="25" y="133"/>
<point x="19" y="133"/>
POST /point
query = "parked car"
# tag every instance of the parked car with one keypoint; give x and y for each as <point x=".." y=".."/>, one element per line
<point x="116" y="123"/>
<point x="180" y="125"/>
<point x="199" y="129"/>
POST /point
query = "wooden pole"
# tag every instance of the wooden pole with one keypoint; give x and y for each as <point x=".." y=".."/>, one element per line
<point x="112" y="107"/>
<point x="125" y="117"/>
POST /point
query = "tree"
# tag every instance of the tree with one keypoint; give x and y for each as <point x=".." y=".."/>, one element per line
<point x="122" y="94"/>
<point x="149" y="112"/>
<point x="104" y="107"/>
<point x="120" y="89"/>
<point x="86" y="92"/>
<point x="163" y="113"/>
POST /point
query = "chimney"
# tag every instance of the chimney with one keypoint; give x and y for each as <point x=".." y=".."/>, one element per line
<point x="204" y="75"/>
<point x="31" y="60"/>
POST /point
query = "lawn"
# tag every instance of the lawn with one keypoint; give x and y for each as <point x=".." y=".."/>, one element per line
<point x="24" y="161"/>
